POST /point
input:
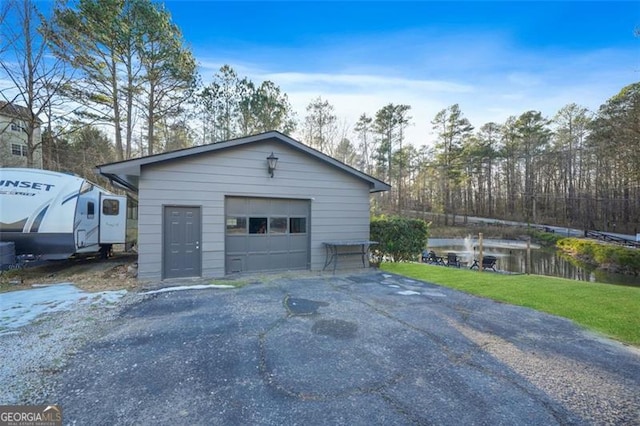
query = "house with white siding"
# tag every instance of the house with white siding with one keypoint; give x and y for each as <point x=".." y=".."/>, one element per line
<point x="14" y="120"/>
<point x="259" y="203"/>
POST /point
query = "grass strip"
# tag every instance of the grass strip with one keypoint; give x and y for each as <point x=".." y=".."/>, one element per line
<point x="605" y="308"/>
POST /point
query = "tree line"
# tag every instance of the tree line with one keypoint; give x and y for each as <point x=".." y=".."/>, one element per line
<point x="110" y="80"/>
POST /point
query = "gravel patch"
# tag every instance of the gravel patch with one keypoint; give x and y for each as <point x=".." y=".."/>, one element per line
<point x="596" y="395"/>
<point x="32" y="355"/>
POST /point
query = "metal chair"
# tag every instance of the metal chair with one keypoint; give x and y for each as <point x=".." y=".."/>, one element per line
<point x="453" y="260"/>
<point x="488" y="262"/>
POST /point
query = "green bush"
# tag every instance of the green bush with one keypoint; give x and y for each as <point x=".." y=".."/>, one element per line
<point x="598" y="254"/>
<point x="399" y="239"/>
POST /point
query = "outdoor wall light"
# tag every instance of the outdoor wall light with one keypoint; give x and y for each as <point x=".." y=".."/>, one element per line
<point x="272" y="161"/>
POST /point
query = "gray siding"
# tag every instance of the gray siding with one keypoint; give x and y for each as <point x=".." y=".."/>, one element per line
<point x="339" y="201"/>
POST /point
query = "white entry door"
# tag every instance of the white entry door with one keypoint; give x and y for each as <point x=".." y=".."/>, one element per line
<point x="113" y="219"/>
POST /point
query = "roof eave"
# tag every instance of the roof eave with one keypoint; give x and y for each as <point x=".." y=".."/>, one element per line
<point x="115" y="171"/>
<point x="380" y="188"/>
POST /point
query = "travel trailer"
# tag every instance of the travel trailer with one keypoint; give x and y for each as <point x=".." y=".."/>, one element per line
<point x="50" y="215"/>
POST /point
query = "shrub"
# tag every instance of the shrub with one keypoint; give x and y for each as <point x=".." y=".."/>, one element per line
<point x="399" y="239"/>
<point x="600" y="254"/>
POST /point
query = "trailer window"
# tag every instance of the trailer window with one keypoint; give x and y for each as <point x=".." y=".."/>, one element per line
<point x="91" y="210"/>
<point x="86" y="187"/>
<point x="110" y="207"/>
<point x="132" y="209"/>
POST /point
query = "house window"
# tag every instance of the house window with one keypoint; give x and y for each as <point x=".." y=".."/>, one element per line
<point x="15" y="127"/>
<point x="17" y="149"/>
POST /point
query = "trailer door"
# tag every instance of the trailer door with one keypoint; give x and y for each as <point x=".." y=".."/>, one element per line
<point x="113" y="219"/>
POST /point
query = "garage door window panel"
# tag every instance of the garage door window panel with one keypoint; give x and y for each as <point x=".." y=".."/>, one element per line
<point x="257" y="225"/>
<point x="278" y="225"/>
<point x="298" y="225"/>
<point x="236" y="225"/>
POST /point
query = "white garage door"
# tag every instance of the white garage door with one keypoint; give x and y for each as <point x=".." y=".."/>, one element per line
<point x="266" y="234"/>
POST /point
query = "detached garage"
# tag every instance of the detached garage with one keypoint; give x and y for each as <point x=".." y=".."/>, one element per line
<point x="260" y="203"/>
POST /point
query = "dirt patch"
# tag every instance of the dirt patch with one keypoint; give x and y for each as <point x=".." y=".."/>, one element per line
<point x="89" y="273"/>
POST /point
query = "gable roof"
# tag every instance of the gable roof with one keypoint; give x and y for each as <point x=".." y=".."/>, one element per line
<point x="16" y="111"/>
<point x="127" y="173"/>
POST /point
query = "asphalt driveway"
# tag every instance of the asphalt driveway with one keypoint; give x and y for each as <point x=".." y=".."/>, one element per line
<point x="364" y="349"/>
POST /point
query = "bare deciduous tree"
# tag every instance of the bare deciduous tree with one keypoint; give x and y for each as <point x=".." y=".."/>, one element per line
<point x="36" y="77"/>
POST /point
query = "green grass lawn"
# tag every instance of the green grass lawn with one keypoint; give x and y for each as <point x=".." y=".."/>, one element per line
<point x="609" y="309"/>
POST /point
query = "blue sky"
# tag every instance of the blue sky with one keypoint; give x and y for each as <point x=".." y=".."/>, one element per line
<point x="495" y="59"/>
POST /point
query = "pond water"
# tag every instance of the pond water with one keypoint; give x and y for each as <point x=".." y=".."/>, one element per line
<point x="512" y="257"/>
